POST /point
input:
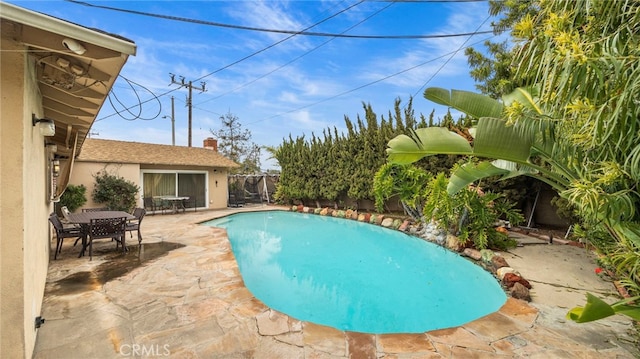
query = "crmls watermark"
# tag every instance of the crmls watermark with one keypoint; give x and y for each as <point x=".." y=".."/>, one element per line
<point x="136" y="350"/>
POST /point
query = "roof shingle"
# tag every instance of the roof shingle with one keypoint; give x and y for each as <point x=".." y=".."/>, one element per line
<point x="111" y="151"/>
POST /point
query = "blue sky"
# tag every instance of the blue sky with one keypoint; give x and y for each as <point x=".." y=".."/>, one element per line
<point x="294" y="87"/>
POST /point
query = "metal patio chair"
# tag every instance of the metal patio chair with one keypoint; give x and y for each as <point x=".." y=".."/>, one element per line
<point x="62" y="233"/>
<point x="134" y="224"/>
<point x="112" y="228"/>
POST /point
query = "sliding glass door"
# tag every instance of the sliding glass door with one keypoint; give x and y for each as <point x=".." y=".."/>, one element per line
<point x="176" y="183"/>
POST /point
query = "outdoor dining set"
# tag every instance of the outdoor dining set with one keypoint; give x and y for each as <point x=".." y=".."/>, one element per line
<point x="96" y="223"/>
<point x="171" y="204"/>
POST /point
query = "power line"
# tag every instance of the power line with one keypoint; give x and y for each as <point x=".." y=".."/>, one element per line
<point x="365" y="85"/>
<point x="293" y="32"/>
<point x="297" y="58"/>
<point x="240" y="60"/>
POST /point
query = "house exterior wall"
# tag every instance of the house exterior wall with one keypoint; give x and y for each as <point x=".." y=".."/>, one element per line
<point x="24" y="204"/>
<point x="84" y="173"/>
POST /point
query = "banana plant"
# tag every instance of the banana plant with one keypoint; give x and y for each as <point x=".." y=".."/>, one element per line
<point x="596" y="309"/>
<point x="513" y="146"/>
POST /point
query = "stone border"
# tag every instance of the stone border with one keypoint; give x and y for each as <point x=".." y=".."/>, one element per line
<point x="511" y="280"/>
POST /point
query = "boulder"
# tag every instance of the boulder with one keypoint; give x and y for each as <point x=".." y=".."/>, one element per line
<point x="379" y="219"/>
<point x="373" y="218"/>
<point x="387" y="222"/>
<point x="519" y="291"/>
<point x="324" y="211"/>
<point x="453" y="242"/>
<point x="348" y="213"/>
<point x="472" y="253"/>
<point x="510" y="279"/>
<point x="306" y="209"/>
<point x="355" y="215"/>
<point x="498" y="262"/>
<point x="361" y="217"/>
<point x="404" y="226"/>
<point x="487" y="254"/>
<point x="500" y="272"/>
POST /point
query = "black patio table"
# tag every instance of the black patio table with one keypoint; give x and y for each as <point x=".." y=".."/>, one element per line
<point x="84" y="219"/>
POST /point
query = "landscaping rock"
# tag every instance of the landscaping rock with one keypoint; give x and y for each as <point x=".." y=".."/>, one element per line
<point x="396" y="223"/>
<point x="472" y="253"/>
<point x="500" y="272"/>
<point x="361" y="217"/>
<point x="348" y="213"/>
<point x="306" y="209"/>
<point x="510" y="279"/>
<point x="519" y="291"/>
<point x="387" y="222"/>
<point x="355" y="215"/>
<point x="498" y="262"/>
<point x="317" y="210"/>
<point x="453" y="242"/>
<point x="487" y="254"/>
<point x="379" y="219"/>
<point x="373" y="218"/>
<point x="404" y="226"/>
<point x="324" y="211"/>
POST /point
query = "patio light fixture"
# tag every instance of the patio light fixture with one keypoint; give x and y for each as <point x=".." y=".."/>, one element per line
<point x="46" y="126"/>
<point x="55" y="168"/>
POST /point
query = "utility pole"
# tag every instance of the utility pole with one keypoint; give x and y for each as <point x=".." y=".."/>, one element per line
<point x="173" y="123"/>
<point x="190" y="87"/>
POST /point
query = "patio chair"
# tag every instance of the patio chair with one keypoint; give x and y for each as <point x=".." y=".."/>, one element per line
<point x="112" y="228"/>
<point x="65" y="213"/>
<point x="150" y="204"/>
<point x="62" y="233"/>
<point x="134" y="224"/>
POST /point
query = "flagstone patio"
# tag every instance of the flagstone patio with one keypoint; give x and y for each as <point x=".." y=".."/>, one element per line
<point x="180" y="295"/>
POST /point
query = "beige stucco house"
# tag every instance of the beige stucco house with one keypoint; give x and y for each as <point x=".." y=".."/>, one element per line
<point x="54" y="78"/>
<point x="199" y="173"/>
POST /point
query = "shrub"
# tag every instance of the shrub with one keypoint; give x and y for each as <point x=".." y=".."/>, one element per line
<point x="116" y="193"/>
<point x="73" y="197"/>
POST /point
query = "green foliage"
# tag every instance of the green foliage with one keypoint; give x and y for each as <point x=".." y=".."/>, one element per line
<point x="408" y="183"/>
<point x="470" y="213"/>
<point x="115" y="192"/>
<point x="73" y="197"/>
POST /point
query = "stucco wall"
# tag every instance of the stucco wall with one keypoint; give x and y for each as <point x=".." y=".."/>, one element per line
<point x="84" y="172"/>
<point x="24" y="205"/>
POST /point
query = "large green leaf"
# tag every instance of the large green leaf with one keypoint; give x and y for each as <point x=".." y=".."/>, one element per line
<point x="495" y="139"/>
<point x="595" y="309"/>
<point x="469" y="173"/>
<point x="427" y="141"/>
<point x="473" y="104"/>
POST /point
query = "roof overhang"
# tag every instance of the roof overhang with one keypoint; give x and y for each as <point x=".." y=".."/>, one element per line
<point x="74" y="84"/>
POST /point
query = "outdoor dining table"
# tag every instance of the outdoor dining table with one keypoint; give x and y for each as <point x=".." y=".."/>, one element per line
<point x="175" y="202"/>
<point x="84" y="219"/>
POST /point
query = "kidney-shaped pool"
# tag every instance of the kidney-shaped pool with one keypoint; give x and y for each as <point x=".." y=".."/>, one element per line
<point x="356" y="276"/>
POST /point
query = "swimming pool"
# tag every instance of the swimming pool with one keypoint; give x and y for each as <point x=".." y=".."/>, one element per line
<point x="356" y="276"/>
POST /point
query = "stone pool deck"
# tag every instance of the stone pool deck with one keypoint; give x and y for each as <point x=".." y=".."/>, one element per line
<point x="180" y="295"/>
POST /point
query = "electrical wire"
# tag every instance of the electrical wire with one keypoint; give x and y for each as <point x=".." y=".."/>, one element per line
<point x="296" y="58"/>
<point x="246" y="57"/>
<point x="292" y="32"/>
<point x="449" y="59"/>
<point x="363" y="86"/>
<point x="112" y="96"/>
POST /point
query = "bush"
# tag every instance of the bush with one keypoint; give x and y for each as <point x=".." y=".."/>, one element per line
<point x="73" y="197"/>
<point x="116" y="193"/>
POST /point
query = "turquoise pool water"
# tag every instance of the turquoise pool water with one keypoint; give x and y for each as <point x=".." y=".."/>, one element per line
<point x="356" y="276"/>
